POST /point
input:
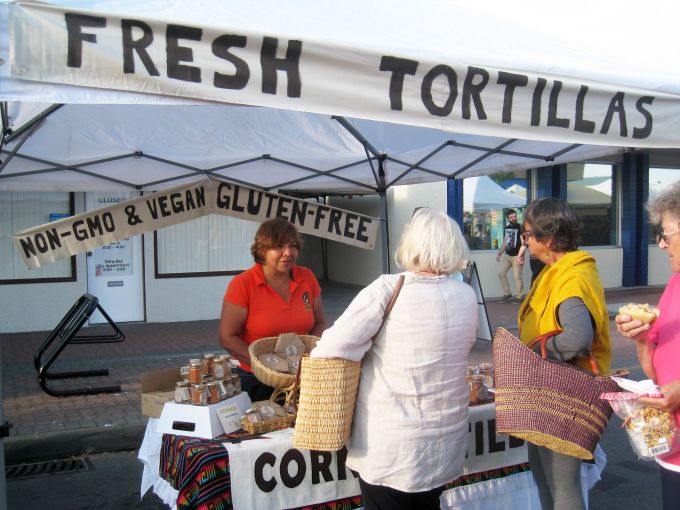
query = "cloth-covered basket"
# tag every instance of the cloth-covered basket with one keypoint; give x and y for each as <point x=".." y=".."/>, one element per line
<point x="265" y="374"/>
<point x="328" y="390"/>
<point x="547" y="402"/>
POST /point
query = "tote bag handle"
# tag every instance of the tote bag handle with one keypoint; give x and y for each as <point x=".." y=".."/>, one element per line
<point x="543" y="340"/>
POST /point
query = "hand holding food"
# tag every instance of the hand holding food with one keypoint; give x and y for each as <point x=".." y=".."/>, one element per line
<point x="641" y="312"/>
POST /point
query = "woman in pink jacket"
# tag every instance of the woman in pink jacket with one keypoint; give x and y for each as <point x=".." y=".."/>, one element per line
<point x="658" y="344"/>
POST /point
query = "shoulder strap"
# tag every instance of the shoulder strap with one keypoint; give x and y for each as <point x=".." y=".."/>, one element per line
<point x="388" y="309"/>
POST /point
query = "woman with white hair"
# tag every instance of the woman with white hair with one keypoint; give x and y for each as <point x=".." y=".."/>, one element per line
<point x="409" y="433"/>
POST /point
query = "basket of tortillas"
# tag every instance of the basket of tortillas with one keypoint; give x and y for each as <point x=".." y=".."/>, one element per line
<point x="642" y="312"/>
<point x="275" y="360"/>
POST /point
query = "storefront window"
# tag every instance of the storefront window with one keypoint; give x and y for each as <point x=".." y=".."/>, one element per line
<point x="486" y="201"/>
<point x="212" y="244"/>
<point x="22" y="210"/>
<point x="659" y="179"/>
<point x="590" y="193"/>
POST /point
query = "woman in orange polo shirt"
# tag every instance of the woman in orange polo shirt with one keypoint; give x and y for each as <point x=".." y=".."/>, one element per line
<point x="274" y="296"/>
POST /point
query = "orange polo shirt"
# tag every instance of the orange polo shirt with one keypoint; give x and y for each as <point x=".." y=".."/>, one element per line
<point x="268" y="313"/>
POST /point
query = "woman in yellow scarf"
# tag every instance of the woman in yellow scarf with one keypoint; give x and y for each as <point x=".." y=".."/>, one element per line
<point x="568" y="296"/>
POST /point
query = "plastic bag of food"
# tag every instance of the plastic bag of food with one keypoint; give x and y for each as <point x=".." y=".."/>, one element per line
<point x="651" y="432"/>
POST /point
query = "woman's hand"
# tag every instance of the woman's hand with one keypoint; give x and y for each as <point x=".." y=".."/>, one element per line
<point x="670" y="400"/>
<point x="631" y="328"/>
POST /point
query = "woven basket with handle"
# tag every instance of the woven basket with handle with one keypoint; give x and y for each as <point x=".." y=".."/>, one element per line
<point x="328" y="391"/>
<point x="547" y="402"/>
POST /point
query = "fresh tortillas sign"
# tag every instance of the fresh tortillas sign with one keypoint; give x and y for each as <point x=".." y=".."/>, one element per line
<point x="69" y="236"/>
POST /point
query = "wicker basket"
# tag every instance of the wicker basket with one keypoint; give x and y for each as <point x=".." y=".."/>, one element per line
<point x="262" y="427"/>
<point x="547" y="402"/>
<point x="265" y="374"/>
<point x="328" y="389"/>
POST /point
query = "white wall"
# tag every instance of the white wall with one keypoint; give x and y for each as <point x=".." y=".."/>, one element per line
<point x="40" y="306"/>
<point x="180" y="299"/>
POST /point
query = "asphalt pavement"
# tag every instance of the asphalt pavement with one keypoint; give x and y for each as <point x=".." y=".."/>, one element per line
<point x="102" y="432"/>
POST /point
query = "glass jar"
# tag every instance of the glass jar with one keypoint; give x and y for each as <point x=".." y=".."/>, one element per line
<point x="471" y="370"/>
<point x="208" y="362"/>
<point x="228" y="385"/>
<point x="195" y="371"/>
<point x="199" y="395"/>
<point x="219" y="368"/>
<point x="236" y="381"/>
<point x="182" y="392"/>
<point x="479" y="393"/>
<point x="486" y="369"/>
<point x="213" y="392"/>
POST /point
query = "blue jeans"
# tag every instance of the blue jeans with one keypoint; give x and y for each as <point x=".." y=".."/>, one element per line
<point x="250" y="384"/>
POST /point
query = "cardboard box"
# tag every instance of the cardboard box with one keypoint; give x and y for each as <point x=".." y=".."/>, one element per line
<point x="203" y="421"/>
<point x="157" y="389"/>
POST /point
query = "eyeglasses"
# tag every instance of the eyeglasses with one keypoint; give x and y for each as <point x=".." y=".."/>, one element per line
<point x="667" y="237"/>
<point x="528" y="233"/>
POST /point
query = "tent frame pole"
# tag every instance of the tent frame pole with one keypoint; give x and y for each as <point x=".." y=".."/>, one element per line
<point x="382" y="193"/>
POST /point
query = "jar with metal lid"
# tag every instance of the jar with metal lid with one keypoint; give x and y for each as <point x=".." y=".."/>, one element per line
<point x="208" y="362"/>
<point x="228" y="387"/>
<point x="486" y="369"/>
<point x="471" y="370"/>
<point x="195" y="371"/>
<point x="213" y="392"/>
<point x="199" y="394"/>
<point x="236" y="381"/>
<point x="182" y="392"/>
<point x="220" y="368"/>
<point x="479" y="393"/>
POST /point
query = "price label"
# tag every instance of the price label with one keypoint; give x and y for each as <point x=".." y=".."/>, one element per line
<point x="230" y="418"/>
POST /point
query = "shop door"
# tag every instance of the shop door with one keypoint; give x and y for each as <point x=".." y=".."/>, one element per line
<point x="115" y="272"/>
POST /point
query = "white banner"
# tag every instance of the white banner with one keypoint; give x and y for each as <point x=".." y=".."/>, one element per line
<point x="270" y="473"/>
<point x="238" y="64"/>
<point x="69" y="236"/>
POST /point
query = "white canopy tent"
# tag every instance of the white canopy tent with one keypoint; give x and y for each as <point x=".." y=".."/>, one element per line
<point x="483" y="194"/>
<point x="354" y="97"/>
<point x="493" y="87"/>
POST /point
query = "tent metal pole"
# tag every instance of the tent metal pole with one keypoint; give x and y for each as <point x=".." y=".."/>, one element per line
<point x="382" y="193"/>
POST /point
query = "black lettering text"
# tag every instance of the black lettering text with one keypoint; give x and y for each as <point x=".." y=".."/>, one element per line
<point x="580" y="124"/>
<point x="321" y="462"/>
<point x="74" y="28"/>
<point x="553" y="119"/>
<point x="290" y="65"/>
<point x="645" y="130"/>
<point x="615" y="106"/>
<point x="139" y="46"/>
<point x="399" y="67"/>
<point x="292" y="456"/>
<point x="511" y="81"/>
<point x="176" y="53"/>
<point x="473" y="91"/>
<point x="426" y="90"/>
<point x="220" y="48"/>
<point x="266" y="459"/>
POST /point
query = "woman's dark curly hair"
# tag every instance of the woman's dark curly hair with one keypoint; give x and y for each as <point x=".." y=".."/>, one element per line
<point x="553" y="218"/>
<point x="273" y="233"/>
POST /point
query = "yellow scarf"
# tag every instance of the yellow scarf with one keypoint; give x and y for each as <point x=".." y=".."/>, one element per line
<point x="574" y="275"/>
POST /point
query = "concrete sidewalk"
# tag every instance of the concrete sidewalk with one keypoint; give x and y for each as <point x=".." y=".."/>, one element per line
<point x="45" y="427"/>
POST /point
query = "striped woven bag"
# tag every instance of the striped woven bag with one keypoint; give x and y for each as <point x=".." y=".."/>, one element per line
<point x="547" y="402"/>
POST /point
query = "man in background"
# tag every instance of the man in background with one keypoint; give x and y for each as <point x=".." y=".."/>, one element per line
<point x="507" y="256"/>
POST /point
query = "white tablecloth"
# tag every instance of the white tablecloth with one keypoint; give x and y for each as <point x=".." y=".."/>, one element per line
<point x="516" y="491"/>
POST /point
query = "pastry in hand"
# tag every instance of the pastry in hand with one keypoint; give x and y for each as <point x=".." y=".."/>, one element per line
<point x="644" y="313"/>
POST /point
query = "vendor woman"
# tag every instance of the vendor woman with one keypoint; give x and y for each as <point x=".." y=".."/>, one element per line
<point x="274" y="296"/>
